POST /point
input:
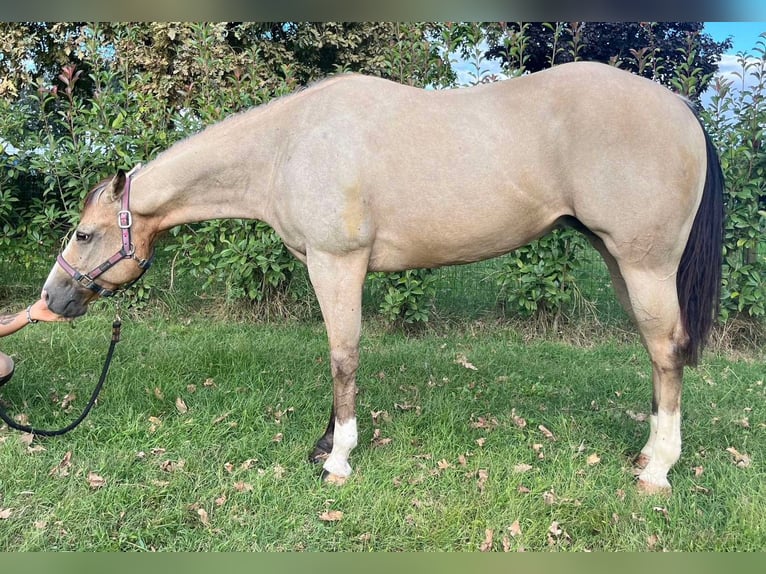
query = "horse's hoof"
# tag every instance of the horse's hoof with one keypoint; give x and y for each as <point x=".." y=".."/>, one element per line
<point x="649" y="489"/>
<point x="330" y="478"/>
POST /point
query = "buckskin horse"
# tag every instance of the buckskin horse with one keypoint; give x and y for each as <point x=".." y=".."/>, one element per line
<point x="361" y="174"/>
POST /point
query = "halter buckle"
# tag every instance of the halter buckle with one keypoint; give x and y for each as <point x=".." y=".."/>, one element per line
<point x="124" y="219"/>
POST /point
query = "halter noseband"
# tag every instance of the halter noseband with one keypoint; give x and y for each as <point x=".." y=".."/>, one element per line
<point x="127" y="251"/>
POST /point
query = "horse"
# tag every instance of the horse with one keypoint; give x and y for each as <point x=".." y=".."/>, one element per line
<point x="359" y="174"/>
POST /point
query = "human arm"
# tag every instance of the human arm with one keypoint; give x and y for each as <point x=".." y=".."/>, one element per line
<point x="38" y="311"/>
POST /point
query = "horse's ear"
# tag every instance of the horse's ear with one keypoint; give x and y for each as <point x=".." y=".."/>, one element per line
<point x="115" y="187"/>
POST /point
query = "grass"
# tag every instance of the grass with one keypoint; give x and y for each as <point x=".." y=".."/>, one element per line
<point x="202" y="432"/>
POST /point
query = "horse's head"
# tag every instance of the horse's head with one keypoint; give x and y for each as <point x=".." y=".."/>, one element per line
<point x="109" y="251"/>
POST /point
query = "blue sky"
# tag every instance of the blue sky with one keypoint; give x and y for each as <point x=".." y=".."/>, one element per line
<point x="744" y="34"/>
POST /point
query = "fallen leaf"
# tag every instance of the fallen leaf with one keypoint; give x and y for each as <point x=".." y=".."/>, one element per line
<point x="202" y="513"/>
<point x="377" y="440"/>
<point x="651" y="541"/>
<point x="462" y="360"/>
<point x="171" y="465"/>
<point x="155" y="423"/>
<point x="95" y="481"/>
<point x="191" y="388"/>
<point x="443" y="464"/>
<point x="638" y="417"/>
<point x="158" y="393"/>
<point x="489" y="536"/>
<point x="462" y="461"/>
<point x="243" y="486"/>
<point x="279" y="471"/>
<point x="181" y="406"/>
<point x="515" y="529"/>
<point x="546" y="433"/>
<point x="517" y="420"/>
<point x="26" y="438"/>
<point x="698" y="470"/>
<point x="522" y="467"/>
<point x="5" y="513"/>
<point x="69" y="398"/>
<point x="664" y="511"/>
<point x="221" y="500"/>
<point x="277" y="437"/>
<point x="483" y="475"/>
<point x="484" y="423"/>
<point x="40" y="524"/>
<point x="740" y="459"/>
<point x="523" y="489"/>
<point x="506" y="544"/>
<point x="62" y="469"/>
<point x="248" y="464"/>
<point x="593" y="459"/>
<point x="209" y="383"/>
<point x="480" y="441"/>
<point x="221" y="418"/>
<point x="331" y="516"/>
<point x="549" y="497"/>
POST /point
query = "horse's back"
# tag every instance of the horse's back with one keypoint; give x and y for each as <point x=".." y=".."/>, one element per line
<point x="432" y="177"/>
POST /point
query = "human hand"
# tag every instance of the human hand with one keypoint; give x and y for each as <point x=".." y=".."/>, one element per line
<point x="39" y="311"/>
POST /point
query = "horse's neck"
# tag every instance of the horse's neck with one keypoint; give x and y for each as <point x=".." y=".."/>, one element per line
<point x="212" y="175"/>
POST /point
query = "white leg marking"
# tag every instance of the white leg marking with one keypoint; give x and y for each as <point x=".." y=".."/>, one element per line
<point x="343" y="442"/>
<point x="648" y="450"/>
<point x="665" y="449"/>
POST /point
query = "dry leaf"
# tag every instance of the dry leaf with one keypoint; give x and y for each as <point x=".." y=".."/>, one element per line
<point x="209" y="383"/>
<point x="277" y="437"/>
<point x="26" y="438"/>
<point x="243" y="486"/>
<point x="40" y="524"/>
<point x="483" y="475"/>
<point x="651" y="541"/>
<point x="191" y="388"/>
<point x="377" y="440"/>
<point x="5" y="513"/>
<point x="331" y="516"/>
<point x="462" y="460"/>
<point x="221" y="500"/>
<point x="158" y="394"/>
<point x="483" y="423"/>
<point x="62" y="469"/>
<point x="172" y="466"/>
<point x="181" y="406"/>
<point x="462" y="360"/>
<point x="546" y="433"/>
<point x="95" y="481"/>
<point x="480" y="441"/>
<point x="506" y="544"/>
<point x="523" y="489"/>
<point x="202" y="513"/>
<point x="279" y="471"/>
<point x="740" y="459"/>
<point x="517" y="420"/>
<point x="664" y="511"/>
<point x="443" y="464"/>
<point x="522" y="467"/>
<point x="221" y="418"/>
<point x="248" y="464"/>
<point x="489" y="536"/>
<point x="549" y="497"/>
<point x="593" y="459"/>
<point x="698" y="470"/>
<point x="638" y="417"/>
<point x="515" y="529"/>
<point x="155" y="423"/>
<point x="69" y="398"/>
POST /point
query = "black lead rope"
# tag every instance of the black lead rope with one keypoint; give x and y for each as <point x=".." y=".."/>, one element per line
<point x="116" y="326"/>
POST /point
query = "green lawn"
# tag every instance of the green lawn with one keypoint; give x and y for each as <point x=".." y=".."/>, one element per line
<point x="200" y="438"/>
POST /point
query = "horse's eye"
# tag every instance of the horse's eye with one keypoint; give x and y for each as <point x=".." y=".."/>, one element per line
<point x="82" y="237"/>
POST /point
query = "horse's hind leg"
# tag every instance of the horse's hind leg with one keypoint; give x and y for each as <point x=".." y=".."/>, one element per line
<point x="338" y="281"/>
<point x="654" y="302"/>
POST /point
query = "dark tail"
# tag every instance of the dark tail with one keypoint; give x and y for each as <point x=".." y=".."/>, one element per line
<point x="699" y="274"/>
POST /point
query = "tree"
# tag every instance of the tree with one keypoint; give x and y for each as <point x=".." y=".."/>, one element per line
<point x="651" y="49"/>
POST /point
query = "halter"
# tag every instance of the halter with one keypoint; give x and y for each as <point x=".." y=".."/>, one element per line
<point x="127" y="251"/>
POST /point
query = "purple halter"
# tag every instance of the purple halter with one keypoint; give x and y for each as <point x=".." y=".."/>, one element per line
<point x="127" y="251"/>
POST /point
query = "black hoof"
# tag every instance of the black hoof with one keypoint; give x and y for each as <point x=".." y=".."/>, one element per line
<point x="321" y="451"/>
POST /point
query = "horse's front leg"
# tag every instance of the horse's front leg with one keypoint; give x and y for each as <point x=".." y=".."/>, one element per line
<point x="338" y="282"/>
